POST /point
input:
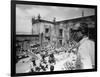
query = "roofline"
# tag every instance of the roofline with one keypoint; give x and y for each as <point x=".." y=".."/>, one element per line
<point x="75" y="19"/>
<point x="57" y="22"/>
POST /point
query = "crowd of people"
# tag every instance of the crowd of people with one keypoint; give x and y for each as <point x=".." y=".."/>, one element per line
<point x="49" y="58"/>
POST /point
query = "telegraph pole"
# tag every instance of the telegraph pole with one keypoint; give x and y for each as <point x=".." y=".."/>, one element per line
<point x="82" y="13"/>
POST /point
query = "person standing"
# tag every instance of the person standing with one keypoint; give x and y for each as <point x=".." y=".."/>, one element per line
<point x="86" y="52"/>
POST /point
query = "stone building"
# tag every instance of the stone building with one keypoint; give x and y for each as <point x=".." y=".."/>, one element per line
<point x="58" y="32"/>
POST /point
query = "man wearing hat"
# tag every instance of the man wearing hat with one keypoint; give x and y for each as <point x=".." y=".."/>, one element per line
<point x="86" y="46"/>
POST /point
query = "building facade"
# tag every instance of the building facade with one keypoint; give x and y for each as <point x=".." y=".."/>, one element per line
<point x="58" y="32"/>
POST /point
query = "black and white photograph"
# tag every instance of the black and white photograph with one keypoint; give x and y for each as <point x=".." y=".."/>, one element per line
<point x="54" y="38"/>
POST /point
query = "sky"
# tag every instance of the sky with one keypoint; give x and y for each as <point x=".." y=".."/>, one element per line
<point x="24" y="14"/>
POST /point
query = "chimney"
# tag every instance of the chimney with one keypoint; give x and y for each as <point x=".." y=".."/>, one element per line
<point x="54" y="20"/>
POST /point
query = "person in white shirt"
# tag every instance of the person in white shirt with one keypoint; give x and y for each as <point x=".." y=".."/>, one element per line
<point x="86" y="52"/>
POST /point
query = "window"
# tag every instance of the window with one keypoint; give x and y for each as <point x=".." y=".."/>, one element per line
<point x="46" y="30"/>
<point x="60" y="41"/>
<point x="60" y="32"/>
